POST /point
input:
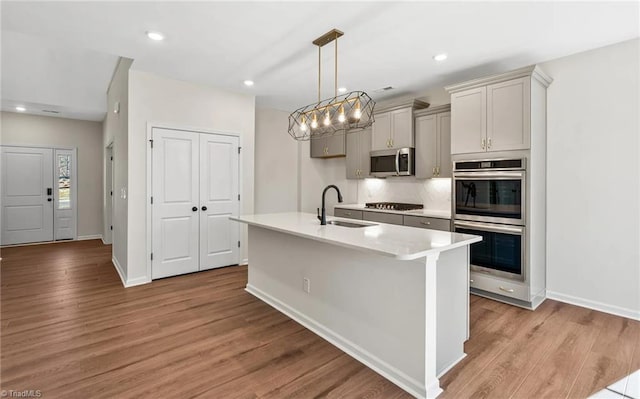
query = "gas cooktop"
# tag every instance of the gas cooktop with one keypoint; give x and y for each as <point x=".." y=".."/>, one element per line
<point x="392" y="206"/>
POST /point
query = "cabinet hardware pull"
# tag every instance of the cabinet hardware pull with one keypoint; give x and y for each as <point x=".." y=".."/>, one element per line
<point x="506" y="289"/>
<point x="471" y="281"/>
<point x="437" y="171"/>
<point x="483" y="145"/>
<point x="489" y="143"/>
<point x="348" y="213"/>
<point x="194" y="209"/>
<point x="426" y="223"/>
<point x="433" y="171"/>
<point x="391" y="142"/>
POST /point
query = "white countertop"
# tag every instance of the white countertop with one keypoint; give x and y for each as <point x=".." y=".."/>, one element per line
<point x="400" y="242"/>
<point x="418" y="212"/>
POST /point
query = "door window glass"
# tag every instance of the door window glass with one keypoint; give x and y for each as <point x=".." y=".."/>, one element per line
<point x="64" y="181"/>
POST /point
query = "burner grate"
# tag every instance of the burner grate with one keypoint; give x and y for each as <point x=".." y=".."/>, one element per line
<point x="393" y="206"/>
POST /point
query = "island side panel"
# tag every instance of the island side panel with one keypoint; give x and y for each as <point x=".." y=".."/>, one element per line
<point x="371" y="306"/>
<point x="452" y="272"/>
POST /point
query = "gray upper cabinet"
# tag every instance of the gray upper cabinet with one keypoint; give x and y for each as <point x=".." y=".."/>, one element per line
<point x="329" y="146"/>
<point x="494" y="113"/>
<point x="358" y="147"/>
<point x="469" y="121"/>
<point x="509" y="115"/>
<point x="433" y="143"/>
<point x="393" y="126"/>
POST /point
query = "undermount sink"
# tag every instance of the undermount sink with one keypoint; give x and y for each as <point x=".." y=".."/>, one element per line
<point x="342" y="223"/>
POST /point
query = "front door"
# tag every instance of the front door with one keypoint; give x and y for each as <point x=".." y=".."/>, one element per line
<point x="219" y="199"/>
<point x="27" y="195"/>
<point x="175" y="179"/>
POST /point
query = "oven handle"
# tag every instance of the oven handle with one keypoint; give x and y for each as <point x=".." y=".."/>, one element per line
<point x="492" y="228"/>
<point x="485" y="175"/>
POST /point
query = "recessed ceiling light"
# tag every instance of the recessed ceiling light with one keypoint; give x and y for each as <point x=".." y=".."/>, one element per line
<point x="440" y="57"/>
<point x="248" y="83"/>
<point x="342" y="89"/>
<point x="20" y="109"/>
<point x="157" y="36"/>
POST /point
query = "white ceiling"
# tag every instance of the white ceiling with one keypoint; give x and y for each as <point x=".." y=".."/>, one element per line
<point x="58" y="53"/>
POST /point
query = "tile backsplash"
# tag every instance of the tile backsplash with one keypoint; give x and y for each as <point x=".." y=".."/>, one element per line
<point x="434" y="194"/>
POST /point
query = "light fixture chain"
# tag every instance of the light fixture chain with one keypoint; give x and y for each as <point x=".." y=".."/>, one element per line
<point x="319" y="70"/>
<point x="335" y="93"/>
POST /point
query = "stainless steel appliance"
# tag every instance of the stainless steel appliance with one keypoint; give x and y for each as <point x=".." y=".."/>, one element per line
<point x="394" y="206"/>
<point x="395" y="162"/>
<point x="490" y="191"/>
<point x="502" y="251"/>
<point x="489" y="200"/>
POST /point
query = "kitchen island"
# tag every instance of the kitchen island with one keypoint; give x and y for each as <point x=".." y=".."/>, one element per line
<point x="396" y="298"/>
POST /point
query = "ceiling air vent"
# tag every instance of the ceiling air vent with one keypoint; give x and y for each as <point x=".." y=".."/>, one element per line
<point x="384" y="89"/>
<point x="50" y="111"/>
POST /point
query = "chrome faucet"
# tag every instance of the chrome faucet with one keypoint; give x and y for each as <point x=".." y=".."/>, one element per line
<point x="323" y="217"/>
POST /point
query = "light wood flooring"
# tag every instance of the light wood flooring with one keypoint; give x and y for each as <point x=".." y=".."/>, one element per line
<point x="69" y="329"/>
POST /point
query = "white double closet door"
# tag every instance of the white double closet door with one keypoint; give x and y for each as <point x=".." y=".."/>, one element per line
<point x="195" y="185"/>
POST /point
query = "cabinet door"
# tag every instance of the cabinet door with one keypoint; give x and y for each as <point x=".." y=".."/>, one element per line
<point x="402" y="128"/>
<point x="427" y="223"/>
<point x="444" y="144"/>
<point x="390" y="218"/>
<point x="347" y="213"/>
<point x="381" y="132"/>
<point x="426" y="146"/>
<point x="353" y="155"/>
<point x="365" y="157"/>
<point x="336" y="145"/>
<point x="508" y="115"/>
<point x="468" y="121"/>
<point x="318" y="147"/>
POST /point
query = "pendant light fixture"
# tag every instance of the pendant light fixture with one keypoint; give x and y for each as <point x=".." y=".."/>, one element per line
<point x="339" y="113"/>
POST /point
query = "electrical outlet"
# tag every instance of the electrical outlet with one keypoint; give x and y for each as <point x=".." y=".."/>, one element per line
<point x="306" y="285"/>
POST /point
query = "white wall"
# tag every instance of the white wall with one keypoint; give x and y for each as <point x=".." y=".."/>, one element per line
<point x="115" y="133"/>
<point x="276" y="163"/>
<point x="593" y="207"/>
<point x="155" y="99"/>
<point x="25" y="129"/>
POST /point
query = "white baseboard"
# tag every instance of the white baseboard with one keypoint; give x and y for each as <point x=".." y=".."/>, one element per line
<point x="244" y="262"/>
<point x="599" y="306"/>
<point x="137" y="281"/>
<point x="128" y="282"/>
<point x="116" y="264"/>
<point x="452" y="365"/>
<point x="90" y="237"/>
<point x="410" y="385"/>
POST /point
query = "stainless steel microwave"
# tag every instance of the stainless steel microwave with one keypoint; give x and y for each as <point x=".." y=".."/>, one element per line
<point x="395" y="162"/>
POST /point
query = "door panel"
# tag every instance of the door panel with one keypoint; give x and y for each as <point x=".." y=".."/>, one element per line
<point x="381" y="131"/>
<point x="175" y="180"/>
<point x="219" y="194"/>
<point x="444" y="144"/>
<point x="426" y="146"/>
<point x="27" y="210"/>
<point x="64" y="194"/>
<point x="469" y="127"/>
<point x="508" y="115"/>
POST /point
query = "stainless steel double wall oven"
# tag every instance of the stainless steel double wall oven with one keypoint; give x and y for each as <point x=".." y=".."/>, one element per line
<point x="490" y="201"/>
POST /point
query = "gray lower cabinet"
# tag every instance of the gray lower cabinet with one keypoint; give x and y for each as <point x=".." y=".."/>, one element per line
<point x="347" y="213"/>
<point x="329" y="146"/>
<point x="358" y="147"/>
<point x="380" y="217"/>
<point x="423" y="222"/>
<point x="427" y="223"/>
